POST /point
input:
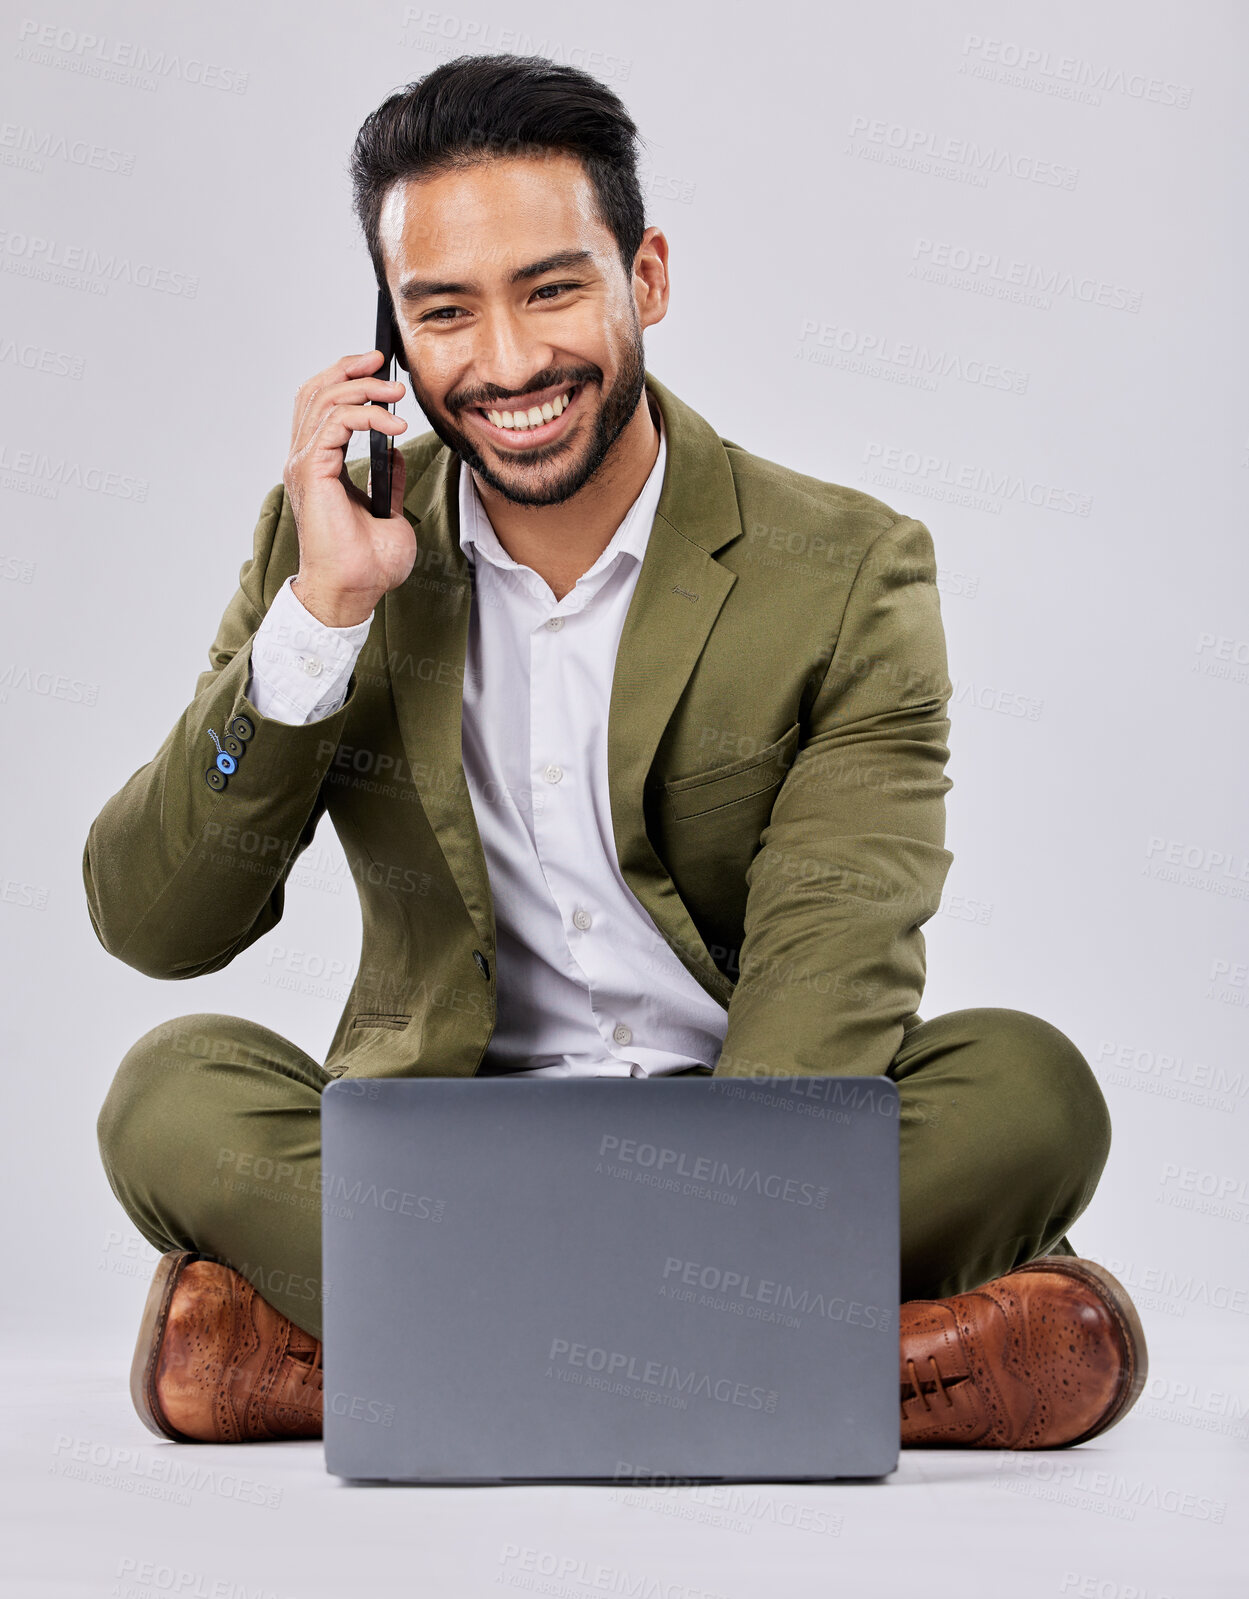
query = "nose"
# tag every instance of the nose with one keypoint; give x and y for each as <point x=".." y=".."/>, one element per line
<point x="506" y="354"/>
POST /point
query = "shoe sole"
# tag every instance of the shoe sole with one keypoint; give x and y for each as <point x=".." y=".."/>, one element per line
<point x="169" y="1269"/>
<point x="1115" y="1297"/>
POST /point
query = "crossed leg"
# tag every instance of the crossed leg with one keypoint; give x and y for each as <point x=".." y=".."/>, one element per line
<point x="210" y="1137"/>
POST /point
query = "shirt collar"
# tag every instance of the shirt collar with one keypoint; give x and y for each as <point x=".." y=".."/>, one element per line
<point x="477" y="534"/>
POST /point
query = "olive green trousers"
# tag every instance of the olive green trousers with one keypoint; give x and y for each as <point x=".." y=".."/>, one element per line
<point x="210" y="1136"/>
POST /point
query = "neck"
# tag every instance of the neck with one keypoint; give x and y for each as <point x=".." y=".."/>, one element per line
<point x="560" y="542"/>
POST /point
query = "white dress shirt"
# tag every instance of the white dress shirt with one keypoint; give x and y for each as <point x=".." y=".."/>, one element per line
<point x="586" y="985"/>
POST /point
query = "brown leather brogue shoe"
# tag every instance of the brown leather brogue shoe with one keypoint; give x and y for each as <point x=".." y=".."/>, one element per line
<point x="1047" y="1356"/>
<point x="215" y="1363"/>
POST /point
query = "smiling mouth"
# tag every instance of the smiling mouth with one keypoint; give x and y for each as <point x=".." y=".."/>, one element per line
<point x="528" y="425"/>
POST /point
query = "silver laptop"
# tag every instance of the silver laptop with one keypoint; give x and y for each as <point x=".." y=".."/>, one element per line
<point x="657" y="1280"/>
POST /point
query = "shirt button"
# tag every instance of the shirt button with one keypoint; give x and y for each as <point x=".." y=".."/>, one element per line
<point x="311" y="665"/>
<point x="581" y="919"/>
<point x="555" y="623"/>
<point x="553" y="773"/>
<point x="622" y="1034"/>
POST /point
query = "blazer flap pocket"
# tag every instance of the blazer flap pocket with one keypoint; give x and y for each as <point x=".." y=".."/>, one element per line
<point x="395" y="1019"/>
<point x="739" y="780"/>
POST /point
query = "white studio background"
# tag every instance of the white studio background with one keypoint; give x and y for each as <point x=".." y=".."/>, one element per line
<point x="983" y="261"/>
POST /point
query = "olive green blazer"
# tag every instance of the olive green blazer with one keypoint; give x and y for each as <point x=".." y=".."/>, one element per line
<point x="776" y="745"/>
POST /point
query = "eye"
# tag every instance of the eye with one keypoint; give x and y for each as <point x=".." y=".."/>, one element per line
<point x="547" y="292"/>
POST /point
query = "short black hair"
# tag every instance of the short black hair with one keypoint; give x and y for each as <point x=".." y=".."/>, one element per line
<point x="478" y="108"/>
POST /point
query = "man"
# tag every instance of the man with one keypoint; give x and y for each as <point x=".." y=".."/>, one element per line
<point x="635" y="744"/>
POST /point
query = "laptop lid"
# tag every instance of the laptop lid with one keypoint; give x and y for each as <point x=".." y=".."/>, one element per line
<point x="610" y="1279"/>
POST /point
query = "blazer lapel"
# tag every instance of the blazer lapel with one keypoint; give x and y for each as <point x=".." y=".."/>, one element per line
<point x="680" y="590"/>
<point x="425" y="624"/>
<point x="678" y="596"/>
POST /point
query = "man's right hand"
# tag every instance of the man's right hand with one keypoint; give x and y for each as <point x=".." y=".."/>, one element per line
<point x="348" y="558"/>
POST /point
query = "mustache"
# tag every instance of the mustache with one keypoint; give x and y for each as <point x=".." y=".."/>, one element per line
<point x="549" y="379"/>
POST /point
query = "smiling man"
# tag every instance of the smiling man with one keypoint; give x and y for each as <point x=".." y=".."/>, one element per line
<point x="635" y="744"/>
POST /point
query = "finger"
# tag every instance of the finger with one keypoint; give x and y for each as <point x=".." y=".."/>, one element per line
<point x="346" y="367"/>
<point x="352" y="392"/>
<point x="335" y="431"/>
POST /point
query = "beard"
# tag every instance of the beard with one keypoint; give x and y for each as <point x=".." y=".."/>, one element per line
<point x="566" y="471"/>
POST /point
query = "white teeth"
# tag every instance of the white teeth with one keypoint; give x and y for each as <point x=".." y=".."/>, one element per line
<point x="532" y="418"/>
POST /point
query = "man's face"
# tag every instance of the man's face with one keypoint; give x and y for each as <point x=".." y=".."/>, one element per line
<point x="513" y="302"/>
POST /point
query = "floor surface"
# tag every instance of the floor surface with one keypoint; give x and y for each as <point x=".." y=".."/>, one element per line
<point x="1155" y="1509"/>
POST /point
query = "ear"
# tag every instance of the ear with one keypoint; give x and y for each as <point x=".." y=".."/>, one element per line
<point x="650" y="278"/>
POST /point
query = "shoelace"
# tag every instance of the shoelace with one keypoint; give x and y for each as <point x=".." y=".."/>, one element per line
<point x="936" y="1374"/>
<point x="314" y="1369"/>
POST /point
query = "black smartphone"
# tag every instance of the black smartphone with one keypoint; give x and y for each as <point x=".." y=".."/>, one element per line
<point x="382" y="445"/>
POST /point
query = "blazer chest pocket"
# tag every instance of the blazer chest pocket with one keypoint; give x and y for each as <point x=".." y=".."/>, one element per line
<point x="728" y="785"/>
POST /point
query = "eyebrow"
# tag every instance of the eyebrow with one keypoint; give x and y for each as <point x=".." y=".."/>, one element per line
<point x="424" y="288"/>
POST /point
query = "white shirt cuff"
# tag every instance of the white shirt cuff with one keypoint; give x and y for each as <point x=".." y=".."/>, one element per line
<point x="300" y="668"/>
